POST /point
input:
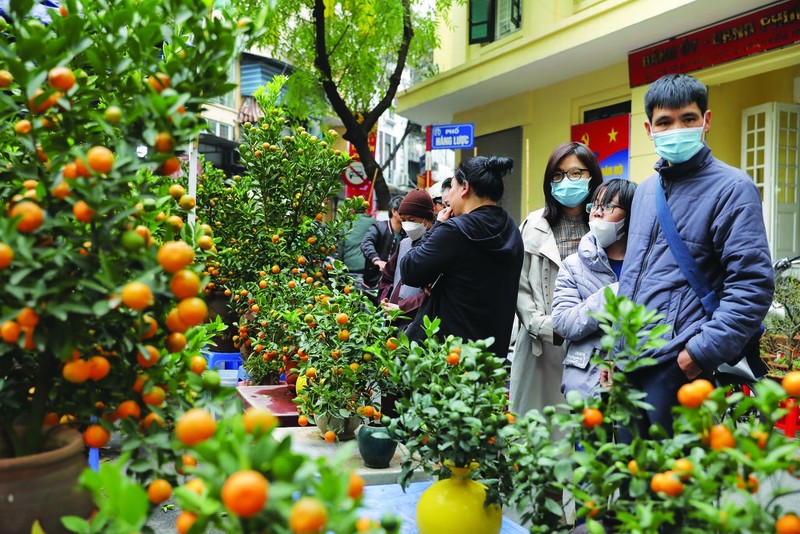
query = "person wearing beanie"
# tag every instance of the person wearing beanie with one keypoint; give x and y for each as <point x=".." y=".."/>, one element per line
<point x="416" y="213"/>
<point x="417" y="203"/>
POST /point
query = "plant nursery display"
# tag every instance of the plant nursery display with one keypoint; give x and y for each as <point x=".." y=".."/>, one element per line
<point x="780" y="345"/>
<point x="452" y="408"/>
<point x="341" y="336"/>
<point x="453" y="421"/>
<point x="706" y="474"/>
<point x="104" y="322"/>
<point x="240" y="479"/>
<point x="271" y="228"/>
<point x="101" y="316"/>
<point x="102" y="277"/>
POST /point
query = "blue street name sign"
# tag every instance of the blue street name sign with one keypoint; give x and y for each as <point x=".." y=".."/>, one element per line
<point x="452" y="136"/>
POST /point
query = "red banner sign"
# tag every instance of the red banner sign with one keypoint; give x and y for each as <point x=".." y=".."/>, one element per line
<point x="357" y="183"/>
<point x="758" y="31"/>
<point x="609" y="139"/>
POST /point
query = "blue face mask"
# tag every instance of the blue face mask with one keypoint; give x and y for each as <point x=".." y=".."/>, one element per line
<point x="680" y="144"/>
<point x="570" y="193"/>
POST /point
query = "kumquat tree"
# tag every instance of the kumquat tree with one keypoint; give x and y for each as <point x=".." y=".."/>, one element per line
<point x="274" y="242"/>
<point x="722" y="468"/>
<point x="101" y="306"/>
<point x="102" y="313"/>
<point x="105" y="265"/>
<point x="272" y="214"/>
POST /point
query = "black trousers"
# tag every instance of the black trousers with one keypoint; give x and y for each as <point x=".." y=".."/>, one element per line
<point x="661" y="384"/>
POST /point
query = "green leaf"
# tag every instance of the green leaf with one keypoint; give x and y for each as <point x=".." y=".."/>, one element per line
<point x="431" y="411"/>
<point x="553" y="507"/>
<point x="37" y="527"/>
<point x="595" y="527"/>
<point x="136" y="504"/>
<point x="18" y="276"/>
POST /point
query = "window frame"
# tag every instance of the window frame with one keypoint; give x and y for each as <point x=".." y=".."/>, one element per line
<point x="489" y="21"/>
<point x="490" y="18"/>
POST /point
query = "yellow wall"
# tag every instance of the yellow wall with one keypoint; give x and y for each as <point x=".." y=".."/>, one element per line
<point x="548" y="28"/>
<point x="727" y="101"/>
<point x="452" y="50"/>
<point x="641" y="157"/>
<point x="546" y="116"/>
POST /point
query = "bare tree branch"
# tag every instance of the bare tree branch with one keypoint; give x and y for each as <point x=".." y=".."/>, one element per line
<point x="355" y="132"/>
<point x="323" y="65"/>
<point x="395" y="78"/>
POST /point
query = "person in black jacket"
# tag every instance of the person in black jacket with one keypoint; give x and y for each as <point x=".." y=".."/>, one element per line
<point x="380" y="242"/>
<point x="470" y="260"/>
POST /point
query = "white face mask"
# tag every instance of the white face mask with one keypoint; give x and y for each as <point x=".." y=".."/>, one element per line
<point x="606" y="232"/>
<point x="414" y="230"/>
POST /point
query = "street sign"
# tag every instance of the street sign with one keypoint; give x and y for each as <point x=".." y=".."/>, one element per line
<point x="452" y="136"/>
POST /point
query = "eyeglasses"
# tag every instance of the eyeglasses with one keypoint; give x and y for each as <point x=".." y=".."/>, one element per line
<point x="573" y="174"/>
<point x="607" y="208"/>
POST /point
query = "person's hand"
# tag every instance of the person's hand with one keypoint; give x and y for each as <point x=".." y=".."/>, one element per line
<point x="445" y="214"/>
<point x="688" y="365"/>
<point x="389" y="306"/>
<point x="380" y="264"/>
<point x="605" y="378"/>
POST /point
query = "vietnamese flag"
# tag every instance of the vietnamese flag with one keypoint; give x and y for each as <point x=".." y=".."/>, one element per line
<point x="609" y="139"/>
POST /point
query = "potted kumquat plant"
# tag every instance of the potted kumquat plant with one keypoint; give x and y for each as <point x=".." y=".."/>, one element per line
<point x="242" y="479"/>
<point x="780" y="344"/>
<point x="271" y="229"/>
<point x="722" y="468"/>
<point x="338" y="335"/>
<point x="102" y="319"/>
<point x="452" y="419"/>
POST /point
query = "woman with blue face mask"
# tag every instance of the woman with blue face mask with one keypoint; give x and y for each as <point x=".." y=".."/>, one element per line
<point x="549" y="235"/>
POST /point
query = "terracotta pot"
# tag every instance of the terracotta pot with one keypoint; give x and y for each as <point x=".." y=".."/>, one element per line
<point x="218" y="306"/>
<point x="43" y="486"/>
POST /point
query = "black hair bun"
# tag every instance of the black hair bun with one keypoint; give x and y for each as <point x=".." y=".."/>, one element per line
<point x="499" y="165"/>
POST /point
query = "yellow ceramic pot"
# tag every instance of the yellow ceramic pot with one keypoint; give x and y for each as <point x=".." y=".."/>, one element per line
<point x="455" y="506"/>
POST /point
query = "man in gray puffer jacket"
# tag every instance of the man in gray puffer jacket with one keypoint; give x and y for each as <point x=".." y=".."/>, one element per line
<point x="717" y="212"/>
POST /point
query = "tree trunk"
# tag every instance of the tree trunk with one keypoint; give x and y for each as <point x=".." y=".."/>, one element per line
<point x="357" y="132"/>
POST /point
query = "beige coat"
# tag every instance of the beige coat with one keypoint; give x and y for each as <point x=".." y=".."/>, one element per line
<point x="536" y="368"/>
